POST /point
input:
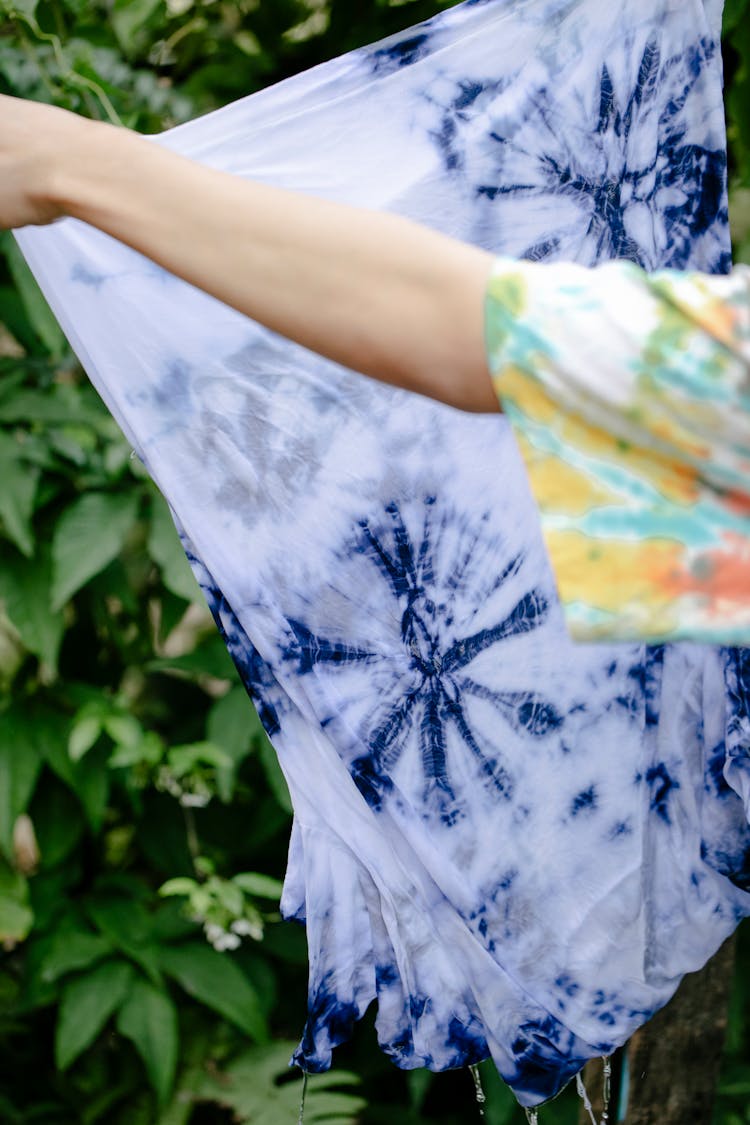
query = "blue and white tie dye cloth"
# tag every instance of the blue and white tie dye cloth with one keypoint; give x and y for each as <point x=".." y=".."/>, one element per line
<point x="517" y="846"/>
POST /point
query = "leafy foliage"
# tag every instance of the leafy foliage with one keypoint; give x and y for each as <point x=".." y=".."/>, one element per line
<point x="142" y="810"/>
<point x="737" y="56"/>
<point x="737" y="71"/>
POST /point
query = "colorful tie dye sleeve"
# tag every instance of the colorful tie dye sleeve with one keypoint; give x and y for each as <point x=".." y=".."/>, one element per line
<point x="630" y="395"/>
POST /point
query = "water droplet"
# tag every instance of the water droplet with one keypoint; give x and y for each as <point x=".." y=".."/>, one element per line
<point x="532" y="1116"/>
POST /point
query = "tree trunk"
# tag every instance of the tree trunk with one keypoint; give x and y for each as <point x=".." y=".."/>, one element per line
<point x="673" y="1061"/>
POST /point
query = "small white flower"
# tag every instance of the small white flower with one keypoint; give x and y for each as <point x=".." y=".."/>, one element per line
<point x="229" y="941"/>
<point x="194" y="800"/>
<point x="179" y="7"/>
<point x="246" y="928"/>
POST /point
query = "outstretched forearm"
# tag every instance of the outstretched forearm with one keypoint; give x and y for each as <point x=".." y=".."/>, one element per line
<point x="372" y="291"/>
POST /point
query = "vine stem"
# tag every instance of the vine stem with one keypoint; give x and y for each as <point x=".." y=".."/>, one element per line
<point x="191" y="832"/>
<point x="66" y="71"/>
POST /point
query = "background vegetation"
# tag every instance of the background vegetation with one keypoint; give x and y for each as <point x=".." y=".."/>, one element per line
<point x="146" y="976"/>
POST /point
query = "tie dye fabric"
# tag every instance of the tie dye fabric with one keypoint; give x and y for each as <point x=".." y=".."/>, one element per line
<point x="480" y="805"/>
<point x="631" y="396"/>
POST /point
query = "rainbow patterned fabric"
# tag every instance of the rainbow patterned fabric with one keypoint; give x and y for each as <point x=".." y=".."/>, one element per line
<point x="630" y="396"/>
<point x="515" y="845"/>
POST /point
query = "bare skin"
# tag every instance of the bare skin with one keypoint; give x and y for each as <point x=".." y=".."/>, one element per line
<point x="375" y="292"/>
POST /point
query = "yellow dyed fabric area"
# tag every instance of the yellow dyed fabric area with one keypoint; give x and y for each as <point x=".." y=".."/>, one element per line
<point x="630" y="398"/>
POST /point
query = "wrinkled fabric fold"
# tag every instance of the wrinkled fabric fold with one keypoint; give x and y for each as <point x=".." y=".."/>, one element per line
<point x="517" y="845"/>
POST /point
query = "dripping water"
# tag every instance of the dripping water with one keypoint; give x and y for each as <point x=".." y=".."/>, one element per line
<point x="480" y="1094"/>
<point x="532" y="1116"/>
<point x="607" y="1088"/>
<point x="301" y="1118"/>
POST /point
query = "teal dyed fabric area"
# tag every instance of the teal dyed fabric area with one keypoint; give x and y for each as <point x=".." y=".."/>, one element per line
<point x="517" y="847"/>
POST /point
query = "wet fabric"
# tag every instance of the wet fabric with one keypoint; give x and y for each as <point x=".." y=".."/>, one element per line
<point x="630" y="395"/>
<point x="517" y="846"/>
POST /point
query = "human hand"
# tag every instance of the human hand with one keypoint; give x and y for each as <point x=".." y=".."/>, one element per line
<point x="37" y="142"/>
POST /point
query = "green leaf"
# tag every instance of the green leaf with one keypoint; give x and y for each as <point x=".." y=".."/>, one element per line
<point x="128" y="18"/>
<point x="16" y="915"/>
<point x="253" y="1087"/>
<point x="36" y="993"/>
<point x="170" y="923"/>
<point x="49" y="898"/>
<point x="74" y="443"/>
<point x="16" y="919"/>
<point x="228" y="895"/>
<point x="14" y="315"/>
<point x="125" y="730"/>
<point x="92" y="780"/>
<point x="161" y="835"/>
<point x="24" y="588"/>
<point x="734" y="12"/>
<point x="127" y="925"/>
<point x="13" y="369"/>
<point x="210" y="658"/>
<point x="180" y="886"/>
<point x="739" y="214"/>
<point x="165" y="549"/>
<point x="178" y="1112"/>
<point x="25" y="8"/>
<point x="274" y="775"/>
<point x="218" y="983"/>
<point x="232" y="724"/>
<point x="741" y="253"/>
<point x="71" y="949"/>
<point x="83" y="735"/>
<point x="20" y="763"/>
<point x="172" y="614"/>
<point x="738" y="92"/>
<point x="58" y="820"/>
<point x="261" y="885"/>
<point x="17" y="494"/>
<point x="56" y="750"/>
<point x="17" y="504"/>
<point x="149" y="1019"/>
<point x="87" y="1003"/>
<point x="56" y="406"/>
<point x="38" y="311"/>
<point x="88" y="536"/>
<point x="263" y="976"/>
<point x="150" y="749"/>
<point x="184" y="759"/>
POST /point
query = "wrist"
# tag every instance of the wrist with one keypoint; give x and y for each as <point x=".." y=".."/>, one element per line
<point x="70" y="165"/>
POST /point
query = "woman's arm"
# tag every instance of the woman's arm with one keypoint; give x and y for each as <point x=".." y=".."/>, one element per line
<point x="375" y="292"/>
